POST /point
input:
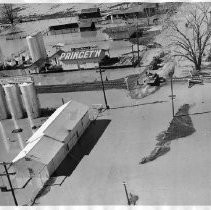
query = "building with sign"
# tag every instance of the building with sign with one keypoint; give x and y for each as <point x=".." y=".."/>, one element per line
<point x="82" y="59"/>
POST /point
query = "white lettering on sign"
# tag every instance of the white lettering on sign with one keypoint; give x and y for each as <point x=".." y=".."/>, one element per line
<point x="86" y="54"/>
<point x="71" y="55"/>
<point x="97" y="54"/>
<point x="75" y="56"/>
<point x="90" y="55"/>
<point x="62" y="56"/>
<point x="67" y="56"/>
<point x="80" y="55"/>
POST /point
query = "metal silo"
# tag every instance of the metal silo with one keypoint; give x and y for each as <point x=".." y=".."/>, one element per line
<point x="14" y="101"/>
<point x="30" y="99"/>
<point x="3" y="105"/>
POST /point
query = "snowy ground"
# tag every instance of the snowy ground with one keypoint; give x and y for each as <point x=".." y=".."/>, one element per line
<point x="180" y="177"/>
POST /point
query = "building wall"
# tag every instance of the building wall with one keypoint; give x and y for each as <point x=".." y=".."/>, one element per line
<point x="69" y="66"/>
<point x="90" y="20"/>
<point x="77" y="132"/>
<point x="64" y="31"/>
<point x="56" y="161"/>
<point x="43" y="172"/>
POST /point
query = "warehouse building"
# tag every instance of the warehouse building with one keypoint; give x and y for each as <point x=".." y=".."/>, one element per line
<point x="140" y="11"/>
<point x="50" y="144"/>
<point x="64" y="29"/>
<point x="91" y="14"/>
<point x="88" y="18"/>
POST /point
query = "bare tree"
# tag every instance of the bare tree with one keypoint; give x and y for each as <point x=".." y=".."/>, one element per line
<point x="190" y="40"/>
<point x="8" y="13"/>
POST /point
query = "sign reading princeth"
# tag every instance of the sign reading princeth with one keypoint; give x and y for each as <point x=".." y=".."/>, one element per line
<point x="82" y="54"/>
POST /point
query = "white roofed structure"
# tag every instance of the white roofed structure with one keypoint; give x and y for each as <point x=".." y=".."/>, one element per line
<point x="49" y="145"/>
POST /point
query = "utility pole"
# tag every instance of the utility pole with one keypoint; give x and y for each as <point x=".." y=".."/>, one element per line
<point x="10" y="183"/>
<point x="101" y="77"/>
<point x="128" y="200"/>
<point x="172" y="96"/>
<point x="137" y="39"/>
<point x="133" y="56"/>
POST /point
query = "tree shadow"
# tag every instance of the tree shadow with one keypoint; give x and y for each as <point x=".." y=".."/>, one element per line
<point x="83" y="147"/>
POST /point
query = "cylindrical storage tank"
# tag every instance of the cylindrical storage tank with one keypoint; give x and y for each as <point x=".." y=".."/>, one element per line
<point x="4" y="114"/>
<point x="30" y="100"/>
<point x="14" y="101"/>
<point x="40" y="42"/>
<point x="34" y="48"/>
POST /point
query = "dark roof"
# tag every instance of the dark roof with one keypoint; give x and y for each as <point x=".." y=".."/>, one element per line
<point x="64" y="26"/>
<point x="90" y="10"/>
<point x="38" y="63"/>
<point x="56" y="54"/>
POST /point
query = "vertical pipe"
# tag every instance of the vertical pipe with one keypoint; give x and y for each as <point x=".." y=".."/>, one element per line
<point x="172" y="97"/>
<point x="137" y="39"/>
<point x="107" y="107"/>
<point x="133" y="56"/>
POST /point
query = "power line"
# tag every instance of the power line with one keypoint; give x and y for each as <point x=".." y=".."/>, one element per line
<point x="9" y="180"/>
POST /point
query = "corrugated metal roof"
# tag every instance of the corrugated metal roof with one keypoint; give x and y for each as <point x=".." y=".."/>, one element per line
<point x="63" y="119"/>
<point x="51" y="135"/>
<point x="41" y="150"/>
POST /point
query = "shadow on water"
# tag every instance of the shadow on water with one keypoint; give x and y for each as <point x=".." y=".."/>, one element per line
<point x="83" y="147"/>
<point x="180" y="126"/>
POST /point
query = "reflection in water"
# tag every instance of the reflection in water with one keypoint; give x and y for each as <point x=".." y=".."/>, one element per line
<point x="20" y="139"/>
<point x="4" y="137"/>
<point x="32" y="124"/>
<point x="86" y="34"/>
<point x="72" y="39"/>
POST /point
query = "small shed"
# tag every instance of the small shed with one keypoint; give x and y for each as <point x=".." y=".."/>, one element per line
<point x="50" y="144"/>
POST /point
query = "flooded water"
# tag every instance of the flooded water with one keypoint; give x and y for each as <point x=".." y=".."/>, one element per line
<point x="71" y="40"/>
<point x="10" y="145"/>
<point x="168" y="180"/>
